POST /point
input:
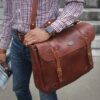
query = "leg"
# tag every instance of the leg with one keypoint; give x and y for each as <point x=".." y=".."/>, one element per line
<point x="50" y="96"/>
<point x="21" y="68"/>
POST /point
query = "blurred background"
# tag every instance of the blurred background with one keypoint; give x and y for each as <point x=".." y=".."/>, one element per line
<point x="88" y="86"/>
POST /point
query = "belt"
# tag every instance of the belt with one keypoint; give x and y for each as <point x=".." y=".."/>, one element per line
<point x="20" y="35"/>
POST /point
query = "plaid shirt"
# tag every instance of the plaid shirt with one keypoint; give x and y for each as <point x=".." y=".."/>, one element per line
<point x="17" y="16"/>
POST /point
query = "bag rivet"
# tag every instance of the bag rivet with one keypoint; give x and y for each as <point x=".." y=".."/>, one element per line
<point x="70" y="43"/>
<point x="32" y="24"/>
<point x="49" y="22"/>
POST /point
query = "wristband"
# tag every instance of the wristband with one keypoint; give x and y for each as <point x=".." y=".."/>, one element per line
<point x="50" y="31"/>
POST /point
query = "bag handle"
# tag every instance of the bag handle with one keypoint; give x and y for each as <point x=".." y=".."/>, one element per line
<point x="34" y="14"/>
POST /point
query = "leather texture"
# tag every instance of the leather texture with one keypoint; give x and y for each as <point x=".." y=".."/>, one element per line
<point x="34" y="14"/>
<point x="64" y="58"/>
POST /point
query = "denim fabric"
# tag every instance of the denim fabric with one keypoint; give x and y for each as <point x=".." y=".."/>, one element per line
<point x="22" y="69"/>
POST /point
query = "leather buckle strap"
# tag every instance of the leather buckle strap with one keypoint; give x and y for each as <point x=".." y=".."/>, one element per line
<point x="34" y="14"/>
<point x="59" y="68"/>
<point x="20" y="35"/>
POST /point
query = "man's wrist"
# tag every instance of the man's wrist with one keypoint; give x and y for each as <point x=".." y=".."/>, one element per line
<point x="50" y="31"/>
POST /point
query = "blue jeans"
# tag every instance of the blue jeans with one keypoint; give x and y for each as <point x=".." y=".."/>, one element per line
<point x="22" y="69"/>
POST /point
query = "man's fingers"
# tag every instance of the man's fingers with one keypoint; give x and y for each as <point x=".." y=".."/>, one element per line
<point x="30" y="42"/>
<point x="28" y="37"/>
<point x="29" y="33"/>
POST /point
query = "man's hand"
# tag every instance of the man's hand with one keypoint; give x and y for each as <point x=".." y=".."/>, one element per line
<point x="35" y="36"/>
<point x="2" y="58"/>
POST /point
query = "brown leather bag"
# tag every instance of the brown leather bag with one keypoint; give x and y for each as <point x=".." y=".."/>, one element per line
<point x="63" y="58"/>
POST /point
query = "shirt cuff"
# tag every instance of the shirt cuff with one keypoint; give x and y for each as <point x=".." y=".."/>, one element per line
<point x="58" y="25"/>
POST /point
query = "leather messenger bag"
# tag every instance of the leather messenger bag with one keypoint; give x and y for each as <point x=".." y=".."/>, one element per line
<point x="63" y="58"/>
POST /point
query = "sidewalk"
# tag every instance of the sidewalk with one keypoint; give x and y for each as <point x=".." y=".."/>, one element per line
<point x="85" y="88"/>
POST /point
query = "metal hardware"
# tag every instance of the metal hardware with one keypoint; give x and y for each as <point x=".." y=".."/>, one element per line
<point x="70" y="43"/>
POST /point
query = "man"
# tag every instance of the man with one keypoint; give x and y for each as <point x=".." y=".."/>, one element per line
<point x="17" y="21"/>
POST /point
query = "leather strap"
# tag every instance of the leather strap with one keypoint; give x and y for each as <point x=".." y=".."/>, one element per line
<point x="88" y="46"/>
<point x="59" y="68"/>
<point x="34" y="14"/>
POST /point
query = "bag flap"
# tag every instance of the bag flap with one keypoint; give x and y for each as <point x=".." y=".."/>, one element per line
<point x="65" y="43"/>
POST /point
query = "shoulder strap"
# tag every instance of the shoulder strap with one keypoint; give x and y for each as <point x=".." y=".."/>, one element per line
<point x="34" y="14"/>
